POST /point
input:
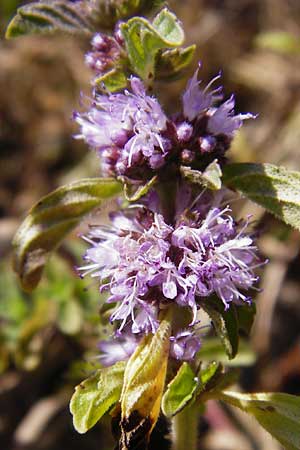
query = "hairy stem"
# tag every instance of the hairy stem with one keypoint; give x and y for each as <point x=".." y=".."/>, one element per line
<point x="185" y="429"/>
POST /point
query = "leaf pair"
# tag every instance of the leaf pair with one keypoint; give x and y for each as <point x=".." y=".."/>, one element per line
<point x="278" y="413"/>
<point x="275" y="188"/>
<point x="47" y="17"/>
<point x="85" y="17"/>
<point x="51" y="219"/>
<point x="144" y="40"/>
<point x="138" y="386"/>
<point x="150" y="46"/>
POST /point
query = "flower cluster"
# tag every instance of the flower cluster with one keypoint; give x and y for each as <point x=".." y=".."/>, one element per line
<point x="147" y="264"/>
<point x="128" y="129"/>
<point x="204" y="130"/>
<point x="136" y="139"/>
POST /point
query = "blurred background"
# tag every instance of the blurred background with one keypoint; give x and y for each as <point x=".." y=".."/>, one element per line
<point x="48" y="340"/>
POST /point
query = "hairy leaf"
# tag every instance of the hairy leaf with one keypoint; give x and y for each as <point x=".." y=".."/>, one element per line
<point x="275" y="188"/>
<point x="225" y="323"/>
<point x="180" y="391"/>
<point x="278" y="413"/>
<point x="114" y="80"/>
<point x="143" y="40"/>
<point x="171" y="63"/>
<point x="94" y="396"/>
<point x="48" y="17"/>
<point x="209" y="373"/>
<point x="245" y="316"/>
<point x="168" y="28"/>
<point x="134" y="195"/>
<point x="144" y="381"/>
<point x="51" y="219"/>
<point x="210" y="178"/>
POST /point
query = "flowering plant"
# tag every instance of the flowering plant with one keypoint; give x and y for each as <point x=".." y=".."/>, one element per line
<point x="173" y="253"/>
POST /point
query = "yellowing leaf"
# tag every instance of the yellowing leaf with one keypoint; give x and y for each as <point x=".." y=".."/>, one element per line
<point x="144" y="381"/>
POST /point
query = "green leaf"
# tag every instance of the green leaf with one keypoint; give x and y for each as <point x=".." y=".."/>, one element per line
<point x="94" y="396"/>
<point x="210" y="178"/>
<point x="51" y="219"/>
<point x="171" y="63"/>
<point x="279" y="41"/>
<point x="114" y="80"/>
<point x="275" y="188"/>
<point x="168" y="28"/>
<point x="245" y="316"/>
<point x="278" y="413"/>
<point x="180" y="391"/>
<point x="140" y="191"/>
<point x="208" y="374"/>
<point x="143" y="40"/>
<point x="144" y="382"/>
<point x="48" y="17"/>
<point x="225" y="323"/>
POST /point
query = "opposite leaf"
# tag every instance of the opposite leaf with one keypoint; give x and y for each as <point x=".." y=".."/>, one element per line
<point x="210" y="178"/>
<point x="180" y="391"/>
<point x="51" y="219"/>
<point x="225" y="323"/>
<point x="95" y="395"/>
<point x="114" y="80"/>
<point x="144" y="381"/>
<point x="48" y="17"/>
<point x="171" y="63"/>
<point x="143" y="40"/>
<point x="279" y="414"/>
<point x="275" y="188"/>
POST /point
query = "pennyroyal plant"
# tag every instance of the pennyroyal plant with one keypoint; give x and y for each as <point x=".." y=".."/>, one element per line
<point x="173" y="252"/>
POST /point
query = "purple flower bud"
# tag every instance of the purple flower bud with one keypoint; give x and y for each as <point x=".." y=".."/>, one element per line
<point x="187" y="156"/>
<point x="207" y="144"/>
<point x="98" y="42"/>
<point x="184" y="131"/>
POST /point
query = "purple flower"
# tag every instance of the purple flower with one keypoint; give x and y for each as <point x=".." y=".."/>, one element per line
<point x="117" y="349"/>
<point x="146" y="264"/>
<point x="205" y="129"/>
<point x="136" y="140"/>
<point x="224" y="121"/>
<point x="127" y="129"/>
<point x="196" y="101"/>
<point x="185" y="345"/>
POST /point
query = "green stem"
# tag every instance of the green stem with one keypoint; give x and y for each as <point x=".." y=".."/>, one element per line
<point x="185" y="429"/>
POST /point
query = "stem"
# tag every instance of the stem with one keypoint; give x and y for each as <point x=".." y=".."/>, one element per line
<point x="185" y="429"/>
